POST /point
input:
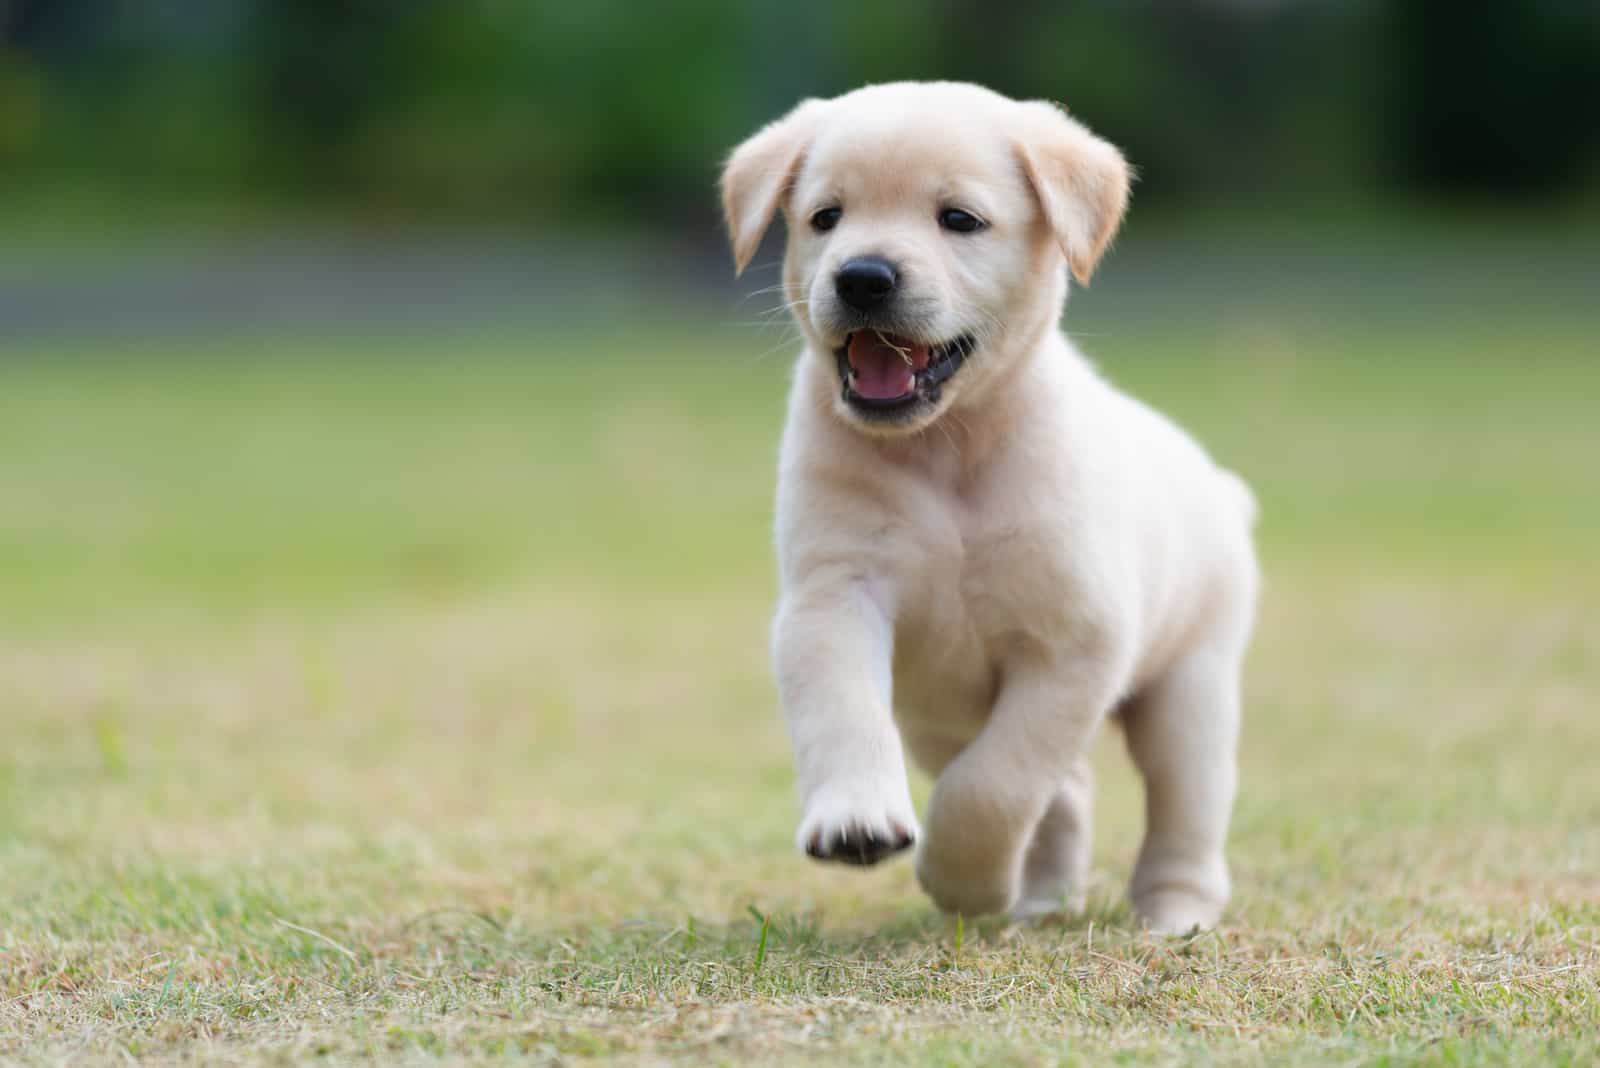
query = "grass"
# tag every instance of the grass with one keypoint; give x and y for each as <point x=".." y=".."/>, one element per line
<point x="407" y="699"/>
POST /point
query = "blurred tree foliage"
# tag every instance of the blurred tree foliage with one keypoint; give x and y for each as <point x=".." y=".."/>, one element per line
<point x="550" y="111"/>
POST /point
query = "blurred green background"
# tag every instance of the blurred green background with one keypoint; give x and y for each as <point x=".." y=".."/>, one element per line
<point x="565" y="115"/>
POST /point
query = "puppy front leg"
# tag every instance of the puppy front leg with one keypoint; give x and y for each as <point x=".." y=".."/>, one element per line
<point x="833" y="650"/>
<point x="987" y="805"/>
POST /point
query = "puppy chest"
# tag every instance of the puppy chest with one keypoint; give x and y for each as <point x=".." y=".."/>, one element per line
<point x="943" y="673"/>
<point x="965" y="613"/>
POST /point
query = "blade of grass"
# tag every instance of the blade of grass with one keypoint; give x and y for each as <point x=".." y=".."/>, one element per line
<point x="761" y="942"/>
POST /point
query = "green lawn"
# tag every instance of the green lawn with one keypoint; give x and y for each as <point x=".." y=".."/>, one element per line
<point x="408" y="699"/>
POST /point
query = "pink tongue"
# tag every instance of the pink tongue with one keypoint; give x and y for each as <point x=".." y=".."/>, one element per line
<point x="881" y="372"/>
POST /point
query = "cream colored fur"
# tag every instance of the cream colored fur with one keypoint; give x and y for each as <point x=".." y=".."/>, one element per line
<point x="984" y="586"/>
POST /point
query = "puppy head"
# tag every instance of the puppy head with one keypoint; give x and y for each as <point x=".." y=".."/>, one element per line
<point x="929" y="225"/>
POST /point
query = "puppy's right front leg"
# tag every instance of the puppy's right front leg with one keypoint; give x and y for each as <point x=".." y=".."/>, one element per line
<point x="833" y="649"/>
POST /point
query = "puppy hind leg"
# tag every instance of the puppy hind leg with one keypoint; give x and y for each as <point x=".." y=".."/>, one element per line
<point x="1057" y="868"/>
<point x="1182" y="733"/>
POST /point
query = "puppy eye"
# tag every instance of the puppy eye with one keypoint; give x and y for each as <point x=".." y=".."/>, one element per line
<point x="826" y="219"/>
<point x="962" y="222"/>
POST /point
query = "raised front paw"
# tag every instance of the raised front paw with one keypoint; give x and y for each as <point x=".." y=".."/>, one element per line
<point x="852" y="826"/>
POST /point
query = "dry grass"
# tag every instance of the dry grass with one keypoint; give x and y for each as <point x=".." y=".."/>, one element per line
<point x="381" y="727"/>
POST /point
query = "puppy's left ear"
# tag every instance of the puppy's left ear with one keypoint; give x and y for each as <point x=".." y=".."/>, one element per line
<point x="1080" y="180"/>
<point x="759" y="174"/>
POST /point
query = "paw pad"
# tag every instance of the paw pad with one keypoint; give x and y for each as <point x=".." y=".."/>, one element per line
<point x="858" y="845"/>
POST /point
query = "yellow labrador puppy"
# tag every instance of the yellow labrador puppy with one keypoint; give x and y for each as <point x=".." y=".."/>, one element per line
<point x="986" y="550"/>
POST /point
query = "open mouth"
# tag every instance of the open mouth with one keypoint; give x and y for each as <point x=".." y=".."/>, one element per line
<point x="887" y="373"/>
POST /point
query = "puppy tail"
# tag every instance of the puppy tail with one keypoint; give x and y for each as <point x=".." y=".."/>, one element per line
<point x="1240" y="489"/>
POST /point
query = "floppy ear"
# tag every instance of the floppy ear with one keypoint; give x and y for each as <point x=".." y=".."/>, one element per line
<point x="1080" y="180"/>
<point x="760" y="173"/>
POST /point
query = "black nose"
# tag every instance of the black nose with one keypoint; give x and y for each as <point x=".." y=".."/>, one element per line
<point x="865" y="282"/>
